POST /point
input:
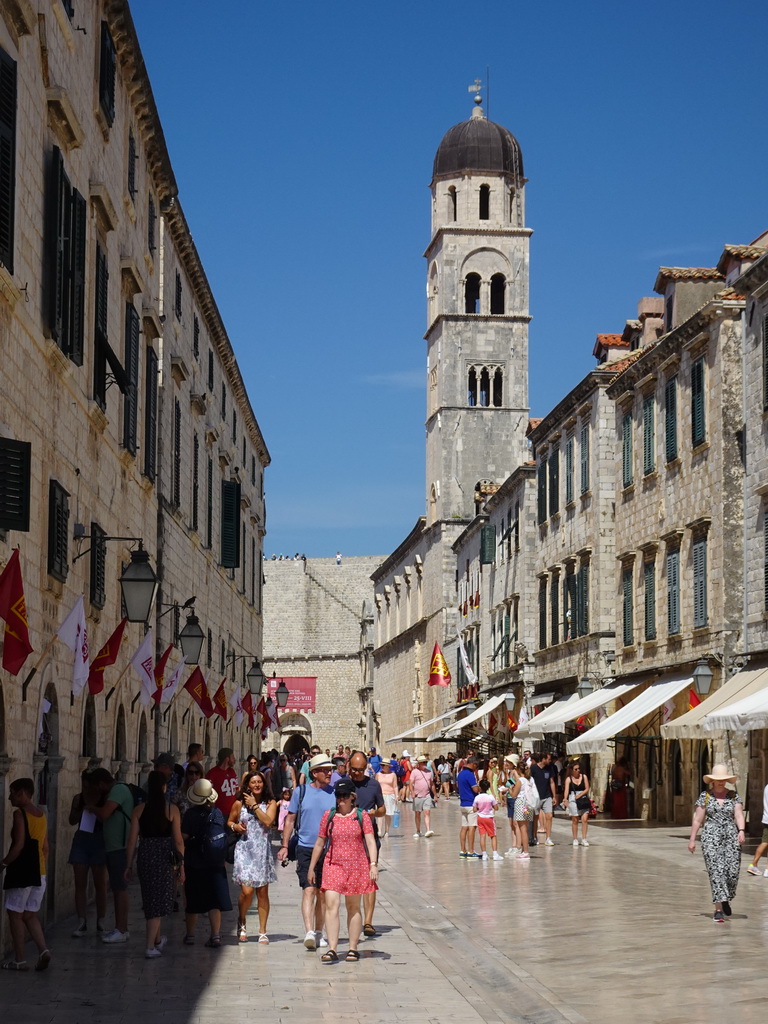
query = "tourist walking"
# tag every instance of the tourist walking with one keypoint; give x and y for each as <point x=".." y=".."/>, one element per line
<point x="308" y="804"/>
<point x="87" y="855"/>
<point x="485" y="805"/>
<point x="720" y="814"/>
<point x="192" y="773"/>
<point x="445" y="775"/>
<point x="577" y="801"/>
<point x="526" y="797"/>
<point x="619" y="795"/>
<point x="753" y="868"/>
<point x="544" y="775"/>
<point x="423" y="789"/>
<point x="24" y="883"/>
<point x="347" y="847"/>
<point x="112" y="803"/>
<point x="223" y="778"/>
<point x="466" y="783"/>
<point x="161" y="851"/>
<point x="510" y="782"/>
<point x="370" y="799"/>
<point x="387" y="780"/>
<point x="252" y="816"/>
<point x="206" y="888"/>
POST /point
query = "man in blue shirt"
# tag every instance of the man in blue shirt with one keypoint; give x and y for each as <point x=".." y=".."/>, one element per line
<point x="375" y="761"/>
<point x="309" y="803"/>
<point x="466" y="783"/>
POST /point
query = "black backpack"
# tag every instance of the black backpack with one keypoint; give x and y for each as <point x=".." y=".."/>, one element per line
<point x="215" y="841"/>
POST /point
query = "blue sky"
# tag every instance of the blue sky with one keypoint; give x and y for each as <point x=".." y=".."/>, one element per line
<point x="302" y="137"/>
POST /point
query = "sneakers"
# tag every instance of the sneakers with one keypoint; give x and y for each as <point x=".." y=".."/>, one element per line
<point x="512" y="851"/>
<point x="429" y="834"/>
<point x="463" y="855"/>
<point x="549" y="843"/>
<point x="497" y="855"/>
<point x="584" y="842"/>
<point x="483" y="856"/>
<point x="310" y="942"/>
<point x="115" y="936"/>
<point x="152" y="954"/>
<point x="321" y="940"/>
<point x="727" y="908"/>
<point x="82" y="928"/>
<point x="417" y="835"/>
<point x="765" y="873"/>
<point x="575" y="842"/>
<point x="752" y="869"/>
<point x="161" y="943"/>
<point x="718" y="918"/>
<point x="524" y="856"/>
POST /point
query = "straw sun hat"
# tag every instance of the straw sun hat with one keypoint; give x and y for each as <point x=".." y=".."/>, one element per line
<point x="720" y="773"/>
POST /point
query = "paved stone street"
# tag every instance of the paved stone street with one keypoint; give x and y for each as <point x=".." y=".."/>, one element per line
<point x="619" y="931"/>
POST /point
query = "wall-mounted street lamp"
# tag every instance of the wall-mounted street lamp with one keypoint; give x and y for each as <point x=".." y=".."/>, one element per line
<point x="138" y="581"/>
<point x="191" y="637"/>
<point x="254" y="677"/>
<point x="281" y="694"/>
<point x="702" y="677"/>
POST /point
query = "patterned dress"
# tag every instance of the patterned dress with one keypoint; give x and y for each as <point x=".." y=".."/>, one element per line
<point x="720" y="845"/>
<point x="346" y="869"/>
<point x="254" y="861"/>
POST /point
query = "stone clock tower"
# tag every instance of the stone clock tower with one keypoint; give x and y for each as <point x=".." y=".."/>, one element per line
<point x="477" y="315"/>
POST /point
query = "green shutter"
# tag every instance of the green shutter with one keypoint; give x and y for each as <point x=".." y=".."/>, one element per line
<point x="7" y="158"/>
<point x="230" y="524"/>
<point x="209" y="509"/>
<point x="79" y="222"/>
<point x="649" y="432"/>
<point x="700" y="583"/>
<point x="582" y="601"/>
<point x="542" y="614"/>
<point x="670" y="419"/>
<point x="765" y="362"/>
<point x="765" y="558"/>
<point x="569" y="470"/>
<point x="487" y="544"/>
<point x="542" y="493"/>
<point x="15" y="461"/>
<point x="554" y="480"/>
<point x="130" y="406"/>
<point x="673" y="592"/>
<point x="58" y="531"/>
<point x="629" y="633"/>
<point x="150" y="415"/>
<point x="570" y="600"/>
<point x="649" y="586"/>
<point x="554" y="608"/>
<point x="698" y="419"/>
<point x="584" y="446"/>
<point x="98" y="582"/>
<point x="626" y="450"/>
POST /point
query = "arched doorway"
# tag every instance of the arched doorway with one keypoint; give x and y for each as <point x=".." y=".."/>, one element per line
<point x="48" y="764"/>
<point x="173" y="736"/>
<point x="121" y="739"/>
<point x="89" y="747"/>
<point x="295" y="733"/>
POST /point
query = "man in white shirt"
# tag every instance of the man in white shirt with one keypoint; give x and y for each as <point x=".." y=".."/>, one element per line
<point x="753" y="869"/>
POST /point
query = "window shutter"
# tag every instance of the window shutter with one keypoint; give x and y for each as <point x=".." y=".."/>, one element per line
<point x="554" y="480"/>
<point x="196" y="337"/>
<point x="569" y="470"/>
<point x="98" y="589"/>
<point x="487" y="544"/>
<point x="626" y="578"/>
<point x="150" y="416"/>
<point x="177" y="298"/>
<point x="700" y="583"/>
<point x="130" y="406"/>
<point x="209" y="510"/>
<point x="107" y="69"/>
<point x="649" y="589"/>
<point x="765" y="362"/>
<point x="210" y="372"/>
<point x="542" y="614"/>
<point x="79" y="221"/>
<point x="234" y="426"/>
<point x="626" y="450"/>
<point x="101" y="294"/>
<point x="571" y="603"/>
<point x="582" y="601"/>
<point x="542" y="493"/>
<point x="7" y="158"/>
<point x="58" y="532"/>
<point x="584" y="458"/>
<point x="195" y="481"/>
<point x="56" y="231"/>
<point x="230" y="524"/>
<point x="554" y="607"/>
<point x="670" y="420"/>
<point x="673" y="592"/>
<point x="15" y="462"/>
<point x="765" y="558"/>
<point x="649" y="439"/>
<point x="131" y="164"/>
<point x="698" y="424"/>
<point x="176" y="453"/>
<point x="151" y="221"/>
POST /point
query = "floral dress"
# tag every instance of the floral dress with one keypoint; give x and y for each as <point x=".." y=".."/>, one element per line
<point x="254" y="862"/>
<point x="720" y="845"/>
<point x="346" y="868"/>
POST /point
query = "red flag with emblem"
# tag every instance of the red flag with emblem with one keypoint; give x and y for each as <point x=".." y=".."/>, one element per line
<point x="159" y="673"/>
<point x="220" y="701"/>
<point x="107" y="656"/>
<point x="491" y="724"/>
<point x="693" y="700"/>
<point x="13" y="609"/>
<point x="247" y="705"/>
<point x="197" y="688"/>
<point x="438" y="669"/>
<point x="511" y="722"/>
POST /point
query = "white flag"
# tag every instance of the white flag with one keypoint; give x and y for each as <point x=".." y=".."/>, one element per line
<point x="170" y="688"/>
<point x="234" y="698"/>
<point x="74" y="633"/>
<point x="523" y="717"/>
<point x="273" y="723"/>
<point x="669" y="709"/>
<point x="144" y="662"/>
<point x="470" y="675"/>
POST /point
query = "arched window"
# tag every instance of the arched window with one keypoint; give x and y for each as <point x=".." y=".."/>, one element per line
<point x="485" y="202"/>
<point x="498" y="287"/>
<point x="90" y="743"/>
<point x="452" y="203"/>
<point x="141" y="750"/>
<point x="173" y="733"/>
<point x="472" y="386"/>
<point x="120" y="737"/>
<point x="498" y="381"/>
<point x="472" y="294"/>
<point x="485" y="387"/>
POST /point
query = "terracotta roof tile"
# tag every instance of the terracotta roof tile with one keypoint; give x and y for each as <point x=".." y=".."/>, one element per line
<point x="532" y="424"/>
<point x="740" y="252"/>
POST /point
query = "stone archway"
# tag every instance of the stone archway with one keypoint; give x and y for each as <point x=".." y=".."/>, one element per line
<point x="295" y="732"/>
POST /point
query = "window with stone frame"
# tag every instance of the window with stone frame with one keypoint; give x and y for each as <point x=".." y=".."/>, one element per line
<point x="649" y="597"/>
<point x="673" y="591"/>
<point x="542" y="613"/>
<point x="628" y="613"/>
<point x="132" y="158"/>
<point x="670" y="419"/>
<point x="58" y="531"/>
<point x="131" y="400"/>
<point x="8" y="75"/>
<point x="554" y="607"/>
<point x="150" y="413"/>
<point x="107" y="70"/>
<point x="699" y="556"/>
<point x="65" y="241"/>
<point x="569" y="447"/>
<point x="698" y="403"/>
<point x="627" y="474"/>
<point x="554" y="479"/>
<point x="584" y="457"/>
<point x="649" y="435"/>
<point x="15" y="467"/>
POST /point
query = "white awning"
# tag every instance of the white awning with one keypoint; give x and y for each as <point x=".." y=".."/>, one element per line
<point x="537" y="726"/>
<point x="562" y="713"/>
<point x="490" y="705"/>
<point x="692" y="724"/>
<point x="423" y="725"/>
<point x="742" y="715"/>
<point x="658" y="693"/>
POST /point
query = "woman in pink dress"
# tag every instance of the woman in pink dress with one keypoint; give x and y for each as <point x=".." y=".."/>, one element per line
<point x="345" y="854"/>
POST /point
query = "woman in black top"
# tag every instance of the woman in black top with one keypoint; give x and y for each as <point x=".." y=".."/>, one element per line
<point x="158" y="823"/>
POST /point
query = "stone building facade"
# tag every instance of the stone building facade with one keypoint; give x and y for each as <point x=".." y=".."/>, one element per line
<point x="318" y="624"/>
<point x="115" y="362"/>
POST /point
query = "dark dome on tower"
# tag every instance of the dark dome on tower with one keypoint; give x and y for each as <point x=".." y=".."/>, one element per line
<point x="478" y="145"/>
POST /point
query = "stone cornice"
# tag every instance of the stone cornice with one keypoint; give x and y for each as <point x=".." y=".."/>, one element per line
<point x="572" y="402"/>
<point x="753" y="278"/>
<point x="401" y="550"/>
<point x="474" y="318"/>
<point x="482" y="232"/>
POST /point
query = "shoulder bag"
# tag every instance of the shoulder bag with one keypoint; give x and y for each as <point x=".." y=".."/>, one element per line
<point x="25" y="870"/>
<point x="293" y="842"/>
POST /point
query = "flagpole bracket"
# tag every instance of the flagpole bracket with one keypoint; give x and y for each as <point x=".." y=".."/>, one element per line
<point x="25" y="685"/>
<point x="184" y="716"/>
<point x="133" y="702"/>
<point x="106" y="699"/>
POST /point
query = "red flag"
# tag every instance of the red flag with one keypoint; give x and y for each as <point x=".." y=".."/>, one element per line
<point x="263" y="713"/>
<point x="159" y="674"/>
<point x="220" y="700"/>
<point x="196" y="686"/>
<point x="247" y="705"/>
<point x="693" y="699"/>
<point x="438" y="670"/>
<point x="16" y="645"/>
<point x="491" y="724"/>
<point x="511" y="722"/>
<point x="107" y="656"/>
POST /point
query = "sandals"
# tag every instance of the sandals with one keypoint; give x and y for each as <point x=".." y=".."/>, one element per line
<point x="264" y="939"/>
<point x="242" y="934"/>
<point x="369" y="930"/>
<point x="352" y="956"/>
<point x="15" y="965"/>
<point x="43" y="960"/>
<point x="189" y="940"/>
<point x="331" y="957"/>
<point x="214" y="942"/>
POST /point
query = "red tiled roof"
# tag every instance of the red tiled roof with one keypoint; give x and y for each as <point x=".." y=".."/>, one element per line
<point x="532" y="424"/>
<point x="606" y="341"/>
<point x="740" y="252"/>
<point x="621" y="364"/>
<point x="685" y="274"/>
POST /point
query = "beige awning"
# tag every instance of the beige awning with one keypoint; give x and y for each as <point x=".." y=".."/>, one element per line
<point x="691" y="725"/>
<point x="423" y="725"/>
<point x="490" y="705"/>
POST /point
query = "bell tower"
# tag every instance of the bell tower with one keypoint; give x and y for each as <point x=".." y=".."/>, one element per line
<point x="477" y="316"/>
